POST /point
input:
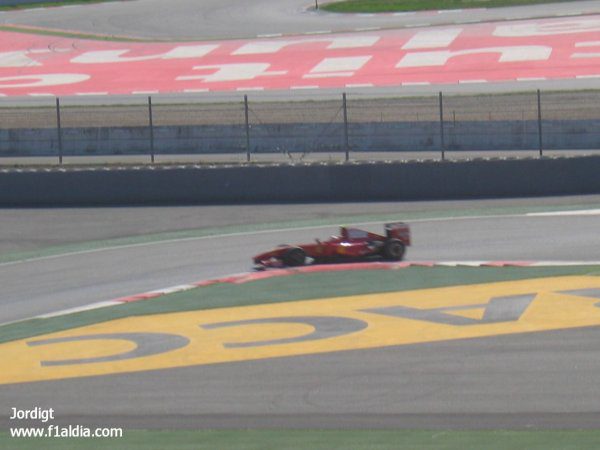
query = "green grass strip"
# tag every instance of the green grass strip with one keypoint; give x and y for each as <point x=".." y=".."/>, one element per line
<point x="321" y="440"/>
<point x="377" y="6"/>
<point x="292" y="288"/>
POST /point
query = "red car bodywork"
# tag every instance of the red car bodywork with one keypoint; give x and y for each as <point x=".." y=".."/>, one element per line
<point x="352" y="244"/>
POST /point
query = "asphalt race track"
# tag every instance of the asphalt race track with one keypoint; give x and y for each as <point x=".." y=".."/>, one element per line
<point x="227" y="19"/>
<point x="544" y="379"/>
<point x="48" y="284"/>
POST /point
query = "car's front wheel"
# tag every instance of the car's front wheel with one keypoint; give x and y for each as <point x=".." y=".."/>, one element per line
<point x="394" y="250"/>
<point x="294" y="257"/>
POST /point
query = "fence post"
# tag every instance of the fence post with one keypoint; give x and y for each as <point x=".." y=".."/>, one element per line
<point x="539" y="110"/>
<point x="247" y="128"/>
<point x="346" y="144"/>
<point x="59" y="132"/>
<point x="442" y="142"/>
<point x="151" y="123"/>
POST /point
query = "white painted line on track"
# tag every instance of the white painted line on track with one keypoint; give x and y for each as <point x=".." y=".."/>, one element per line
<point x="416" y="83"/>
<point x="250" y="88"/>
<point x="532" y="79"/>
<point x="195" y="91"/>
<point x="587" y="44"/>
<point x="471" y="81"/>
<point x="367" y="29"/>
<point x="41" y="94"/>
<point x="318" y="32"/>
<point x="173" y="289"/>
<point x="328" y="75"/>
<point x="144" y="92"/>
<point x="304" y="87"/>
<point x="360" y="85"/>
<point x="578" y="212"/>
<point x="585" y="77"/>
<point x="90" y="93"/>
<point x="272" y="35"/>
<point x="79" y="309"/>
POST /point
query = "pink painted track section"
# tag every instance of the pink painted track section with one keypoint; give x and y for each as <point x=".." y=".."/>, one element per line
<point x="550" y="49"/>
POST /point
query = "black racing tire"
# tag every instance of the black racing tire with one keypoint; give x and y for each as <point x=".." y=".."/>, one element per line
<point x="294" y="257"/>
<point x="393" y="250"/>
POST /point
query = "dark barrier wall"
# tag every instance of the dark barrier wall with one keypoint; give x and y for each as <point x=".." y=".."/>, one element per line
<point x="18" y="2"/>
<point x="305" y="137"/>
<point x="302" y="183"/>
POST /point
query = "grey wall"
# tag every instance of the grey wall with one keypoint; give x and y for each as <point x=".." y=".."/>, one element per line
<point x="372" y="136"/>
<point x="17" y="2"/>
<point x="302" y="183"/>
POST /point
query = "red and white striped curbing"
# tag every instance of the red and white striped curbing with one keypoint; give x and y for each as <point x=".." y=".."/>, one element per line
<point x="274" y="273"/>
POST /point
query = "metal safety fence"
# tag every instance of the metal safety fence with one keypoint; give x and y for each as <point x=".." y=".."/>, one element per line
<point x="346" y="127"/>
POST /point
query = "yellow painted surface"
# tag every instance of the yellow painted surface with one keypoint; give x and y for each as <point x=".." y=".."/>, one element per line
<point x="549" y="310"/>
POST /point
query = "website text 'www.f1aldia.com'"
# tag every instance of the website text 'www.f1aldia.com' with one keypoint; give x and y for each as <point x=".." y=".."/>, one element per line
<point x="70" y="431"/>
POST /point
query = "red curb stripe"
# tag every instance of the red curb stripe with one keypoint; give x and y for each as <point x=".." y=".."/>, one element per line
<point x="135" y="298"/>
<point x="274" y="273"/>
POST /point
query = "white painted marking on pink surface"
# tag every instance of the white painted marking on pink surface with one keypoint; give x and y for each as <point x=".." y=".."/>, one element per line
<point x="507" y="54"/>
<point x="115" y="56"/>
<point x="42" y="80"/>
<point x="432" y="39"/>
<point x="17" y="59"/>
<point x="586" y="45"/>
<point x="232" y="72"/>
<point x="333" y="43"/>
<point x="338" y="67"/>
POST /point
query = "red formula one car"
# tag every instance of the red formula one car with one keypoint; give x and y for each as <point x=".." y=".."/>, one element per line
<point x="352" y="244"/>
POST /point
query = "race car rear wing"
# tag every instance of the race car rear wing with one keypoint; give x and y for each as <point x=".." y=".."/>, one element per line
<point x="398" y="230"/>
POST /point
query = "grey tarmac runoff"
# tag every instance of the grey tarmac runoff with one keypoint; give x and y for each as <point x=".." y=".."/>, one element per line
<point x="233" y="19"/>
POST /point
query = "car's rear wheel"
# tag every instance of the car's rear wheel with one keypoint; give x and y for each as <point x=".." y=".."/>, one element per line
<point x="294" y="257"/>
<point x="394" y="250"/>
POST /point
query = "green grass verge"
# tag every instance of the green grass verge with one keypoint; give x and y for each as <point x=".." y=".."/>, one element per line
<point x="376" y="6"/>
<point x="292" y="288"/>
<point x="321" y="439"/>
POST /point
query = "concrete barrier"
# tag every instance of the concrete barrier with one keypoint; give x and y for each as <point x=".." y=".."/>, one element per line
<point x="19" y="2"/>
<point x="302" y="183"/>
<point x="303" y="137"/>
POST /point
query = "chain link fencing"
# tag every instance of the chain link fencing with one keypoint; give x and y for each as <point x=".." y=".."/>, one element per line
<point x="353" y="126"/>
